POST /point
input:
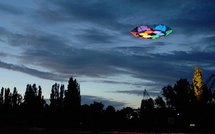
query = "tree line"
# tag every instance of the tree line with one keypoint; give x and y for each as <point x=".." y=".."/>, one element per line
<point x="177" y="109"/>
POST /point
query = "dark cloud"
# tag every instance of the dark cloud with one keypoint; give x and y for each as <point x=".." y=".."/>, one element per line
<point x="196" y="18"/>
<point x="74" y="11"/>
<point x="144" y="49"/>
<point x="150" y="93"/>
<point x="208" y="43"/>
<point x="41" y="40"/>
<point x="95" y="35"/>
<point x="10" y="9"/>
<point x="135" y="50"/>
<point x="78" y="61"/>
<point x="137" y="84"/>
<point x="52" y="52"/>
<point x="102" y="14"/>
<point x="33" y="72"/>
<point x="3" y="54"/>
<point x="193" y="17"/>
<point x="87" y="99"/>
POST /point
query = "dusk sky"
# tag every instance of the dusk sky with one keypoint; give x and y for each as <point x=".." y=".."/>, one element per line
<point x="48" y="41"/>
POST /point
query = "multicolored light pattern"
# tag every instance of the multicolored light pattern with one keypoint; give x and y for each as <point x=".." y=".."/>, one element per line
<point x="153" y="32"/>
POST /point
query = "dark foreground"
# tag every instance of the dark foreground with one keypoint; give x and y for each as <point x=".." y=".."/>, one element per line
<point x="70" y="131"/>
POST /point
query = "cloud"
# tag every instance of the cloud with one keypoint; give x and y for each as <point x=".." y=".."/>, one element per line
<point x="195" y="18"/>
<point x="87" y="99"/>
<point x="97" y="35"/>
<point x="71" y="10"/>
<point x="92" y="14"/>
<point x="33" y="72"/>
<point x="3" y="54"/>
<point x="57" y="55"/>
<point x="151" y="92"/>
<point x="39" y="40"/>
<point x="54" y="53"/>
<point x="137" y="84"/>
<point x="9" y="9"/>
<point x="207" y="43"/>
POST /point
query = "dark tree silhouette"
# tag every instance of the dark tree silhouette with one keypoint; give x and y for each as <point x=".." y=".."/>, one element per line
<point x="62" y="93"/>
<point x="72" y="99"/>
<point x="16" y="99"/>
<point x="159" y="102"/>
<point x="2" y="96"/>
<point x="169" y="95"/>
<point x="8" y="99"/>
<point x="65" y="110"/>
<point x="54" y="96"/>
<point x="33" y="99"/>
<point x="147" y="104"/>
<point x="72" y="103"/>
<point x="184" y="95"/>
<point x="110" y="109"/>
<point x="96" y="112"/>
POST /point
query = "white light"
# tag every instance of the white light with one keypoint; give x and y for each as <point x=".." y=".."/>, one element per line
<point x="192" y="125"/>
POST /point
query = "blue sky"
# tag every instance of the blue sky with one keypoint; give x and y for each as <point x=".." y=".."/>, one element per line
<point x="47" y="41"/>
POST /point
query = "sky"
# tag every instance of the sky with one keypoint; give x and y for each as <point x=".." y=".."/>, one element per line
<point x="49" y="41"/>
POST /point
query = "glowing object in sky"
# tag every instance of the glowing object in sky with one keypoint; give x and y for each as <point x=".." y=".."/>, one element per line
<point x="197" y="82"/>
<point x="151" y="32"/>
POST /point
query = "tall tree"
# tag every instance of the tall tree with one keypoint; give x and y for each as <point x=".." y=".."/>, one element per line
<point x="2" y="96"/>
<point x="54" y="96"/>
<point x="16" y="98"/>
<point x="8" y="99"/>
<point x="184" y="97"/>
<point x="72" y="99"/>
<point x="62" y="93"/>
<point x="33" y="99"/>
<point x="197" y="82"/>
<point x="169" y="95"/>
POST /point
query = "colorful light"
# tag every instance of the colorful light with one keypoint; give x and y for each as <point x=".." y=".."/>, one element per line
<point x="154" y="32"/>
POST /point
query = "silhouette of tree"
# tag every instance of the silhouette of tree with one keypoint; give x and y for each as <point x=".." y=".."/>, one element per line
<point x="2" y="96"/>
<point x="16" y="99"/>
<point x="181" y="99"/>
<point x="97" y="107"/>
<point x="72" y="102"/>
<point x="169" y="95"/>
<point x="54" y="96"/>
<point x="110" y="109"/>
<point x="62" y="93"/>
<point x="33" y="99"/>
<point x="65" y="109"/>
<point x="8" y="99"/>
<point x="147" y="104"/>
<point x="72" y="99"/>
<point x="29" y="96"/>
<point x="96" y="113"/>
<point x="86" y="115"/>
<point x="40" y="93"/>
<point x="110" y="118"/>
<point x="159" y="102"/>
<point x="181" y="96"/>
